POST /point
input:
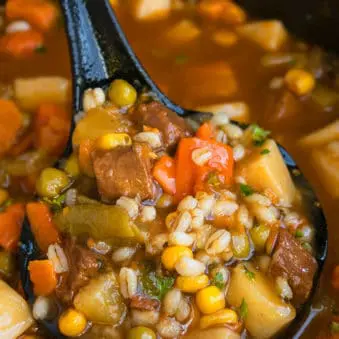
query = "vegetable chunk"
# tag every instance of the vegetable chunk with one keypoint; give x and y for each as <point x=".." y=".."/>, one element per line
<point x="150" y="9"/>
<point x="267" y="313"/>
<point x="15" y="316"/>
<point x="269" y="171"/>
<point x="215" y="333"/>
<point x="183" y="32"/>
<point x="101" y="301"/>
<point x="269" y="35"/>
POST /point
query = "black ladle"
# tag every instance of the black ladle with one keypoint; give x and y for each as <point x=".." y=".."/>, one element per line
<point x="100" y="53"/>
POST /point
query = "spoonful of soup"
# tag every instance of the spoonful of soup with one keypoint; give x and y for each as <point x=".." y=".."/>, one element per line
<point x="162" y="221"/>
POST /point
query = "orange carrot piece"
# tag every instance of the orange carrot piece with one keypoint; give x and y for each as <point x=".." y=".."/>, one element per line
<point x="10" y="226"/>
<point x="43" y="277"/>
<point x="10" y="124"/>
<point x="164" y="173"/>
<point x="40" y="13"/>
<point x="205" y="131"/>
<point x="42" y="225"/>
<point x="21" y="44"/>
<point x="25" y="142"/>
<point x="51" y="128"/>
<point x="85" y="161"/>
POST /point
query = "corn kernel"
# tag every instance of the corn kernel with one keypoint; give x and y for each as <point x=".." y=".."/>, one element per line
<point x="3" y="196"/>
<point x="299" y="81"/>
<point x="191" y="284"/>
<point x="112" y="140"/>
<point x="72" y="323"/>
<point x="210" y="299"/>
<point x="172" y="254"/>
<point x="225" y="38"/>
<point x="225" y="316"/>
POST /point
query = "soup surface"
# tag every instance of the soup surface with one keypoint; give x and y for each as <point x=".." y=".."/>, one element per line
<point x="206" y="55"/>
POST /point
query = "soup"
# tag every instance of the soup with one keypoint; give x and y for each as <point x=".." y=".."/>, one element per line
<point x="199" y="56"/>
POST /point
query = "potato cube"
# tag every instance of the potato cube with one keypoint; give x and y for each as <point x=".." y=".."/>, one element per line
<point x="269" y="34"/>
<point x="269" y="172"/>
<point x="150" y="9"/>
<point x="266" y="312"/>
<point x="183" y="32"/>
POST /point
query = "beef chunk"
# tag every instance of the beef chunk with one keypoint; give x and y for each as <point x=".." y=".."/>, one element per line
<point x="124" y="171"/>
<point x="145" y="303"/>
<point x="83" y="265"/>
<point x="171" y="126"/>
<point x="291" y="261"/>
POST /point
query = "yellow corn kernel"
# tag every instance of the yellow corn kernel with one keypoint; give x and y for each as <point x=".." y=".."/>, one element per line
<point x="172" y="254"/>
<point x="112" y="140"/>
<point x="225" y="316"/>
<point x="191" y="284"/>
<point x="72" y="166"/>
<point x="299" y="81"/>
<point x="72" y="323"/>
<point x="210" y="299"/>
<point x="3" y="196"/>
<point x="225" y="38"/>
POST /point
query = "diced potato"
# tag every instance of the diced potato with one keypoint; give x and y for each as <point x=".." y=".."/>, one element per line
<point x="150" y="9"/>
<point x="327" y="167"/>
<point x="225" y="38"/>
<point x="269" y="172"/>
<point x="322" y="136"/>
<point x="270" y="34"/>
<point x="267" y="313"/>
<point x="213" y="333"/>
<point x="32" y="92"/>
<point x="101" y="301"/>
<point x="238" y="111"/>
<point x="183" y="32"/>
<point x="97" y="122"/>
<point x="15" y="315"/>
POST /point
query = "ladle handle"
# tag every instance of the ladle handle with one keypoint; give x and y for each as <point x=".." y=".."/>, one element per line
<point x="100" y="50"/>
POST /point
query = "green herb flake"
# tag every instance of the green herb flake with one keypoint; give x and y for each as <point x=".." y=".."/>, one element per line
<point x="259" y="135"/>
<point x="299" y="234"/>
<point x="57" y="203"/>
<point x="265" y="151"/>
<point x="243" y="309"/>
<point x="246" y="190"/>
<point x="6" y="204"/>
<point x="334" y="327"/>
<point x="155" y="285"/>
<point x="181" y="59"/>
<point x="41" y="49"/>
<point x="218" y="281"/>
<point x="250" y="275"/>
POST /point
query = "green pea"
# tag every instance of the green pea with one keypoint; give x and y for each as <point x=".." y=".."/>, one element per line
<point x="51" y="182"/>
<point x="7" y="264"/>
<point x="72" y="166"/>
<point x="141" y="332"/>
<point x="121" y="93"/>
<point x="259" y="235"/>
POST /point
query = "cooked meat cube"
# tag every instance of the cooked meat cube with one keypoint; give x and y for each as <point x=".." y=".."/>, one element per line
<point x="124" y="171"/>
<point x="83" y="265"/>
<point x="294" y="263"/>
<point x="142" y="302"/>
<point x="167" y="122"/>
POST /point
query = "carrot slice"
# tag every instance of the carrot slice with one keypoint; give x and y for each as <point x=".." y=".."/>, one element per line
<point x="10" y="226"/>
<point x="40" y="13"/>
<point x="21" y="44"/>
<point x="205" y="131"/>
<point x="164" y="173"/>
<point x="51" y="128"/>
<point x="10" y="124"/>
<point x="42" y="225"/>
<point x="85" y="161"/>
<point x="43" y="277"/>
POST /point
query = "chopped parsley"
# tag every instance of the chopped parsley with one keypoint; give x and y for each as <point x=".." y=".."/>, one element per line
<point x="213" y="179"/>
<point x="6" y="204"/>
<point x="334" y="327"/>
<point x="41" y="49"/>
<point x="57" y="203"/>
<point x="218" y="281"/>
<point x="181" y="59"/>
<point x="265" y="151"/>
<point x="250" y="275"/>
<point x="153" y="284"/>
<point x="259" y="135"/>
<point x="299" y="234"/>
<point x="243" y="309"/>
<point x="246" y="190"/>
